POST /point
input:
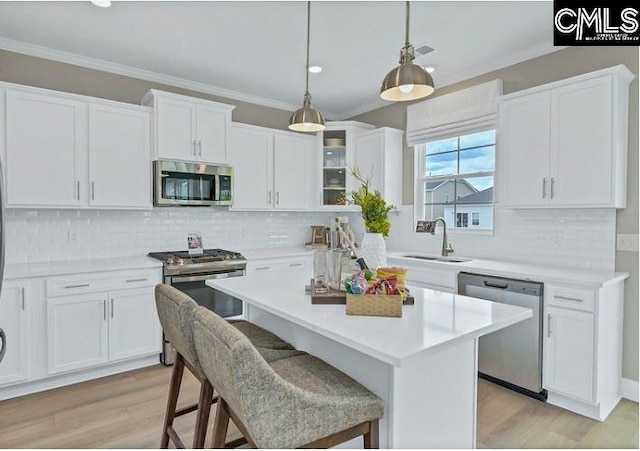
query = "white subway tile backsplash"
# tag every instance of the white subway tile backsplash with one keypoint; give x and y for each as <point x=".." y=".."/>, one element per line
<point x="43" y="235"/>
<point x="568" y="238"/>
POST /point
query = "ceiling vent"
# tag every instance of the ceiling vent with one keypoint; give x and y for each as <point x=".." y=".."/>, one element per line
<point x="422" y="49"/>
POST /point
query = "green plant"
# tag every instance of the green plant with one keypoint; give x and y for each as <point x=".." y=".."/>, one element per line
<point x="375" y="210"/>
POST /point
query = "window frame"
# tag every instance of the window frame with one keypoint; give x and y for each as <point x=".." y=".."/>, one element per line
<point x="420" y="178"/>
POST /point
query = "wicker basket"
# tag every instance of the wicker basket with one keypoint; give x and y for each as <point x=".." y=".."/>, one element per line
<point x="374" y="305"/>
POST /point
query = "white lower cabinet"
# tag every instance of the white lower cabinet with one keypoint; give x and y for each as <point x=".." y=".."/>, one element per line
<point x="94" y="328"/>
<point x="582" y="349"/>
<point x="133" y="324"/>
<point x="568" y="352"/>
<point x="14" y="321"/>
<point x="76" y="332"/>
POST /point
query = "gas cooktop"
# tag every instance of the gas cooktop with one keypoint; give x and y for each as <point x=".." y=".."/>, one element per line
<point x="181" y="262"/>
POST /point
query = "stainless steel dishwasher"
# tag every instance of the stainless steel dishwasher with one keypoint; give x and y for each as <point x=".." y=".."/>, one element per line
<point x="511" y="357"/>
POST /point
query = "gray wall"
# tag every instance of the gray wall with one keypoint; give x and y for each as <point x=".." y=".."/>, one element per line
<point x="545" y="69"/>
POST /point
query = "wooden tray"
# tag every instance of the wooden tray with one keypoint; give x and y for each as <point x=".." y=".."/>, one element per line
<point x="339" y="297"/>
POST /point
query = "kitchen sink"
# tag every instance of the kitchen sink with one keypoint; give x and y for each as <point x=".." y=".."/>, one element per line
<point x="439" y="259"/>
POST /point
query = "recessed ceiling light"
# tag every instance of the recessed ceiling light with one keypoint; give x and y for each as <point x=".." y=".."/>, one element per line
<point x="430" y="68"/>
<point x="314" y="69"/>
<point x="102" y="3"/>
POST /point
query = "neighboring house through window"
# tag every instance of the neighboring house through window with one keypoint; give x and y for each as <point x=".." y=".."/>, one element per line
<point x="459" y="168"/>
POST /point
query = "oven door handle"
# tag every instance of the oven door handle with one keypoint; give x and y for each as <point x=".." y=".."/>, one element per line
<point x="200" y="278"/>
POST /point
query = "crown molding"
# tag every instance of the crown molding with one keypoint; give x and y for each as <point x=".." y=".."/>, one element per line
<point x="525" y="55"/>
<point x="128" y="71"/>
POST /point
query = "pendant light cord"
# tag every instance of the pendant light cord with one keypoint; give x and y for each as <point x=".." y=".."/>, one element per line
<point x="308" y="39"/>
<point x="406" y="38"/>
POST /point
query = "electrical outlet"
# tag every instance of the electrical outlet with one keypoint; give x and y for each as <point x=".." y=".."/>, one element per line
<point x="627" y="242"/>
<point x="72" y="236"/>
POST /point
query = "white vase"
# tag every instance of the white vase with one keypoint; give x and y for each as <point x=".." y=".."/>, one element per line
<point x="374" y="250"/>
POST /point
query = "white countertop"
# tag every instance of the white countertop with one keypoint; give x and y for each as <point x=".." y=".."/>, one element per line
<point x="281" y="252"/>
<point x="515" y="270"/>
<point x="435" y="321"/>
<point x="44" y="269"/>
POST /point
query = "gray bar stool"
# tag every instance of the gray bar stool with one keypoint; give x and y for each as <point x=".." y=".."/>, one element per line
<point x="176" y="311"/>
<point x="295" y="402"/>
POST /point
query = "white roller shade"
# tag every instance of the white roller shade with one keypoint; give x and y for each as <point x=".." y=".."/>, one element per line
<point x="455" y="114"/>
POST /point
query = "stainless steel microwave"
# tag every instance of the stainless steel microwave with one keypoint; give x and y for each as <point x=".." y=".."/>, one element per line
<point x="179" y="183"/>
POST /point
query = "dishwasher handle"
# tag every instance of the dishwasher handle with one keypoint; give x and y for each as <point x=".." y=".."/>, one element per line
<point x="502" y="286"/>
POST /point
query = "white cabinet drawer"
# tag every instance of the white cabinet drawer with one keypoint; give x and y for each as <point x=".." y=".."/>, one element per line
<point x="433" y="277"/>
<point x="571" y="297"/>
<point x="275" y="264"/>
<point x="106" y="281"/>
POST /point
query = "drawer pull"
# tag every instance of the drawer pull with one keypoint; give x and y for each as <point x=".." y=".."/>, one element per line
<point x="262" y="268"/>
<point x="567" y="298"/>
<point x="137" y="280"/>
<point x="296" y="264"/>
<point x="84" y="285"/>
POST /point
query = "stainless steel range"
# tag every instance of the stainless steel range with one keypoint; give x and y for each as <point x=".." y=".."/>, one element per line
<point x="188" y="273"/>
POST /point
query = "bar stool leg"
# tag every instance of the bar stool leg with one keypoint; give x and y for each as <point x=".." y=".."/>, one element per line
<point x="372" y="438"/>
<point x="220" y="425"/>
<point x="204" y="408"/>
<point x="174" y="391"/>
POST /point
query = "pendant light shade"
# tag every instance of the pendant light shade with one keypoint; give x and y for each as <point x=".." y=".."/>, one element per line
<point x="408" y="81"/>
<point x="307" y="118"/>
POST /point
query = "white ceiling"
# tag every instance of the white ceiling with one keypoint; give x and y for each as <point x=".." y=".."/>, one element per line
<point x="258" y="48"/>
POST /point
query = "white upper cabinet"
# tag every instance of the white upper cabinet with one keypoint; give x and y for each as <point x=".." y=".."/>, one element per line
<point x="293" y="182"/>
<point x="252" y="161"/>
<point x="45" y="146"/>
<point x="68" y="151"/>
<point x="565" y="144"/>
<point x="190" y="129"/>
<point x="378" y="155"/>
<point x="524" y="137"/>
<point x="336" y="158"/>
<point x="273" y="169"/>
<point x="119" y="156"/>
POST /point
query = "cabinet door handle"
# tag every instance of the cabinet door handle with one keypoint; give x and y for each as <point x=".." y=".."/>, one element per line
<point x="544" y="187"/>
<point x="295" y="264"/>
<point x="104" y="309"/>
<point x="22" y="296"/>
<point x="567" y="298"/>
<point x="78" y="189"/>
<point x="111" y="307"/>
<point x="269" y="197"/>
<point x="195" y="151"/>
<point x="84" y="285"/>
<point x="552" y="183"/>
<point x="93" y="191"/>
<point x="199" y="148"/>
<point x="549" y="325"/>
<point x="277" y="197"/>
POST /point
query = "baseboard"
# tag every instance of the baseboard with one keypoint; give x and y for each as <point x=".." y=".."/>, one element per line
<point x="629" y="389"/>
<point x="61" y="380"/>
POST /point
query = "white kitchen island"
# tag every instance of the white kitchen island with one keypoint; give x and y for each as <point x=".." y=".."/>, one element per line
<point x="423" y="365"/>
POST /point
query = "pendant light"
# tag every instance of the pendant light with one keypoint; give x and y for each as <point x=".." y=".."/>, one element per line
<point x="408" y="81"/>
<point x="307" y="118"/>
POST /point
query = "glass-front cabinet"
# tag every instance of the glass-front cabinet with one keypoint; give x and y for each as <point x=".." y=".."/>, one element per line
<point x="336" y="159"/>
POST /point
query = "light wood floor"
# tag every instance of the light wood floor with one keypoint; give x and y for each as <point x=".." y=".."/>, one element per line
<point x="126" y="411"/>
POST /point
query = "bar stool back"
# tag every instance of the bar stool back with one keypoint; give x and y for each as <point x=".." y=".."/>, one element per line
<point x="299" y="401"/>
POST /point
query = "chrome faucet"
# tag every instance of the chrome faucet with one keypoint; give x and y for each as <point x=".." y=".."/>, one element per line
<point x="430" y="227"/>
